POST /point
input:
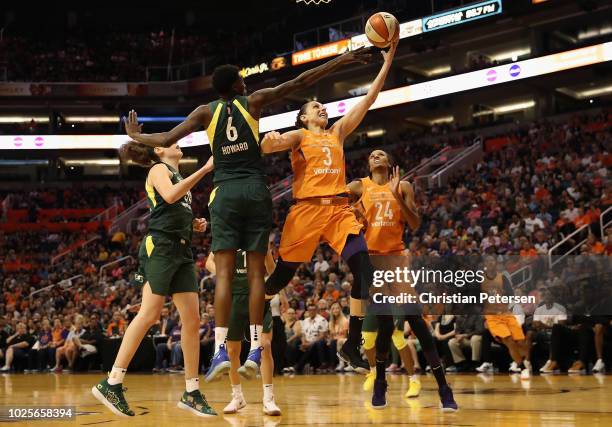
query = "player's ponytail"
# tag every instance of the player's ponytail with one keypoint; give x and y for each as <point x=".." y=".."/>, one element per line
<point x="140" y="154"/>
<point x="298" y="121"/>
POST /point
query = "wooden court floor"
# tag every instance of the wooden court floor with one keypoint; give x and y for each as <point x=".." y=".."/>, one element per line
<point x="336" y="400"/>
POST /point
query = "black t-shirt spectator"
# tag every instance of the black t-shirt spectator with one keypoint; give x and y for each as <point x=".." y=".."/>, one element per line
<point x="21" y="338"/>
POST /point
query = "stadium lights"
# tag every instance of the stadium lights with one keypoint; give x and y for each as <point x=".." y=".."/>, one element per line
<point x="594" y="92"/>
<point x="23" y="119"/>
<point x="375" y="133"/>
<point x="511" y="54"/>
<point x="91" y="162"/>
<point x="442" y="120"/>
<point x="92" y="119"/>
<point x="598" y="32"/>
<point x="507" y="108"/>
<point x="442" y="69"/>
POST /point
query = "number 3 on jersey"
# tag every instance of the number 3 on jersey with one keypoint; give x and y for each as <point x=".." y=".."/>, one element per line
<point x="388" y="212"/>
<point x="328" y="160"/>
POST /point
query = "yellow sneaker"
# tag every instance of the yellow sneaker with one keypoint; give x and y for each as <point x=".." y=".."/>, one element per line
<point x="368" y="384"/>
<point x="415" y="387"/>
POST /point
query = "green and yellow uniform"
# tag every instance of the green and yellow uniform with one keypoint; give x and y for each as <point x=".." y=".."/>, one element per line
<point x="165" y="256"/>
<point x="239" y="315"/>
<point x="369" y="331"/>
<point x="240" y="204"/>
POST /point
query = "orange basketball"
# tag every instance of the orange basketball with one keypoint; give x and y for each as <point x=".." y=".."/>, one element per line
<point x="381" y="29"/>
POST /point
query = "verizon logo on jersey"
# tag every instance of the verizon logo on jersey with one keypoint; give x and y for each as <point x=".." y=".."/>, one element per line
<point x="321" y="171"/>
<point x="235" y="148"/>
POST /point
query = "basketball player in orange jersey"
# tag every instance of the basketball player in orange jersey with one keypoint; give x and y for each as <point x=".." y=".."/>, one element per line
<point x="322" y="214"/>
<point x="240" y="205"/>
<point x="500" y="321"/>
<point x="388" y="206"/>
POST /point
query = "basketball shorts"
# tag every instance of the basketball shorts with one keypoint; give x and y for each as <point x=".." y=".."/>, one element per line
<point x="240" y="216"/>
<point x="309" y="224"/>
<point x="238" y="326"/>
<point x="167" y="264"/>
<point x="504" y="325"/>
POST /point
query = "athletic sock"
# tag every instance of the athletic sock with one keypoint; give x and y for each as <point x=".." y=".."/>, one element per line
<point x="268" y="391"/>
<point x="438" y="373"/>
<point x="116" y="375"/>
<point x="354" y="332"/>
<point x="192" y="384"/>
<point x="414" y="377"/>
<point x="256" y="331"/>
<point x="220" y="336"/>
<point x="236" y="389"/>
<point x="380" y="369"/>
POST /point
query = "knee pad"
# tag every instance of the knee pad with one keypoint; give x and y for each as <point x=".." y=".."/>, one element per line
<point x="363" y="274"/>
<point x="280" y="277"/>
<point x="399" y="341"/>
<point x="369" y="340"/>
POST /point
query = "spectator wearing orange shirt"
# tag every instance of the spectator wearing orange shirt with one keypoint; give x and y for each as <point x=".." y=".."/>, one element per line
<point x="117" y="325"/>
<point x="331" y="292"/>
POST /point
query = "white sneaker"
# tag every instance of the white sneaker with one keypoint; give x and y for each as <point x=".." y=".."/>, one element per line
<point x="514" y="368"/>
<point x="236" y="404"/>
<point x="485" y="368"/>
<point x="600" y="367"/>
<point x="525" y="374"/>
<point x="270" y="408"/>
<point x="340" y="366"/>
<point x="546" y="367"/>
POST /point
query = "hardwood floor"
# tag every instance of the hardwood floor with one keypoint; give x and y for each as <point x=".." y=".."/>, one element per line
<point x="329" y="400"/>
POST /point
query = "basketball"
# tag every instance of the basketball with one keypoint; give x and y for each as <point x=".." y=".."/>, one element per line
<point x="381" y="29"/>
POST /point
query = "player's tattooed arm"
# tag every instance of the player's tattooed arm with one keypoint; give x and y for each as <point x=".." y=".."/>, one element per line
<point x="263" y="97"/>
<point x="199" y="117"/>
<point x="274" y="141"/>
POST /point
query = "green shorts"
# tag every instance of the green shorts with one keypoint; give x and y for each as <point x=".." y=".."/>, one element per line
<point x="240" y="216"/>
<point x="370" y="323"/>
<point x="167" y="265"/>
<point x="239" y="319"/>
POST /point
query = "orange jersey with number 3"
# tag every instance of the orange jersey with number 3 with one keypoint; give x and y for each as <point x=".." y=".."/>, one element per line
<point x="385" y="229"/>
<point x="318" y="166"/>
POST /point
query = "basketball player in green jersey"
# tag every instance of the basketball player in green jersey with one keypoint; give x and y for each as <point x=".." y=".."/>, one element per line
<point x="166" y="268"/>
<point x="238" y="324"/>
<point x="240" y="204"/>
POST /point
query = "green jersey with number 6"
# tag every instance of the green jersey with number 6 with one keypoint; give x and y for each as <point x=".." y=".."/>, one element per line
<point x="234" y="138"/>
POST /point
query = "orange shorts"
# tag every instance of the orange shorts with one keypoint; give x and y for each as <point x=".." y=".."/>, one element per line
<point x="504" y="325"/>
<point x="307" y="225"/>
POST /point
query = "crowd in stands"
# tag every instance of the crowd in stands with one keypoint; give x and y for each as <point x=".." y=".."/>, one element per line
<point x="541" y="182"/>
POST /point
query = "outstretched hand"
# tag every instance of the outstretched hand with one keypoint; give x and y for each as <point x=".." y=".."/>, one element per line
<point x="388" y="55"/>
<point x="362" y="55"/>
<point x="132" y="127"/>
<point x="394" y="182"/>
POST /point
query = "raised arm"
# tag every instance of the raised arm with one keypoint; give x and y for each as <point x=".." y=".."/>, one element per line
<point x="404" y="194"/>
<point x="262" y="97"/>
<point x="274" y="141"/>
<point x="160" y="179"/>
<point x="201" y="116"/>
<point x="355" y="115"/>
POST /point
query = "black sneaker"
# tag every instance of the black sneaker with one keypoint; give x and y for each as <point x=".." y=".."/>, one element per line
<point x="351" y="356"/>
<point x="379" y="397"/>
<point x="447" y="401"/>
